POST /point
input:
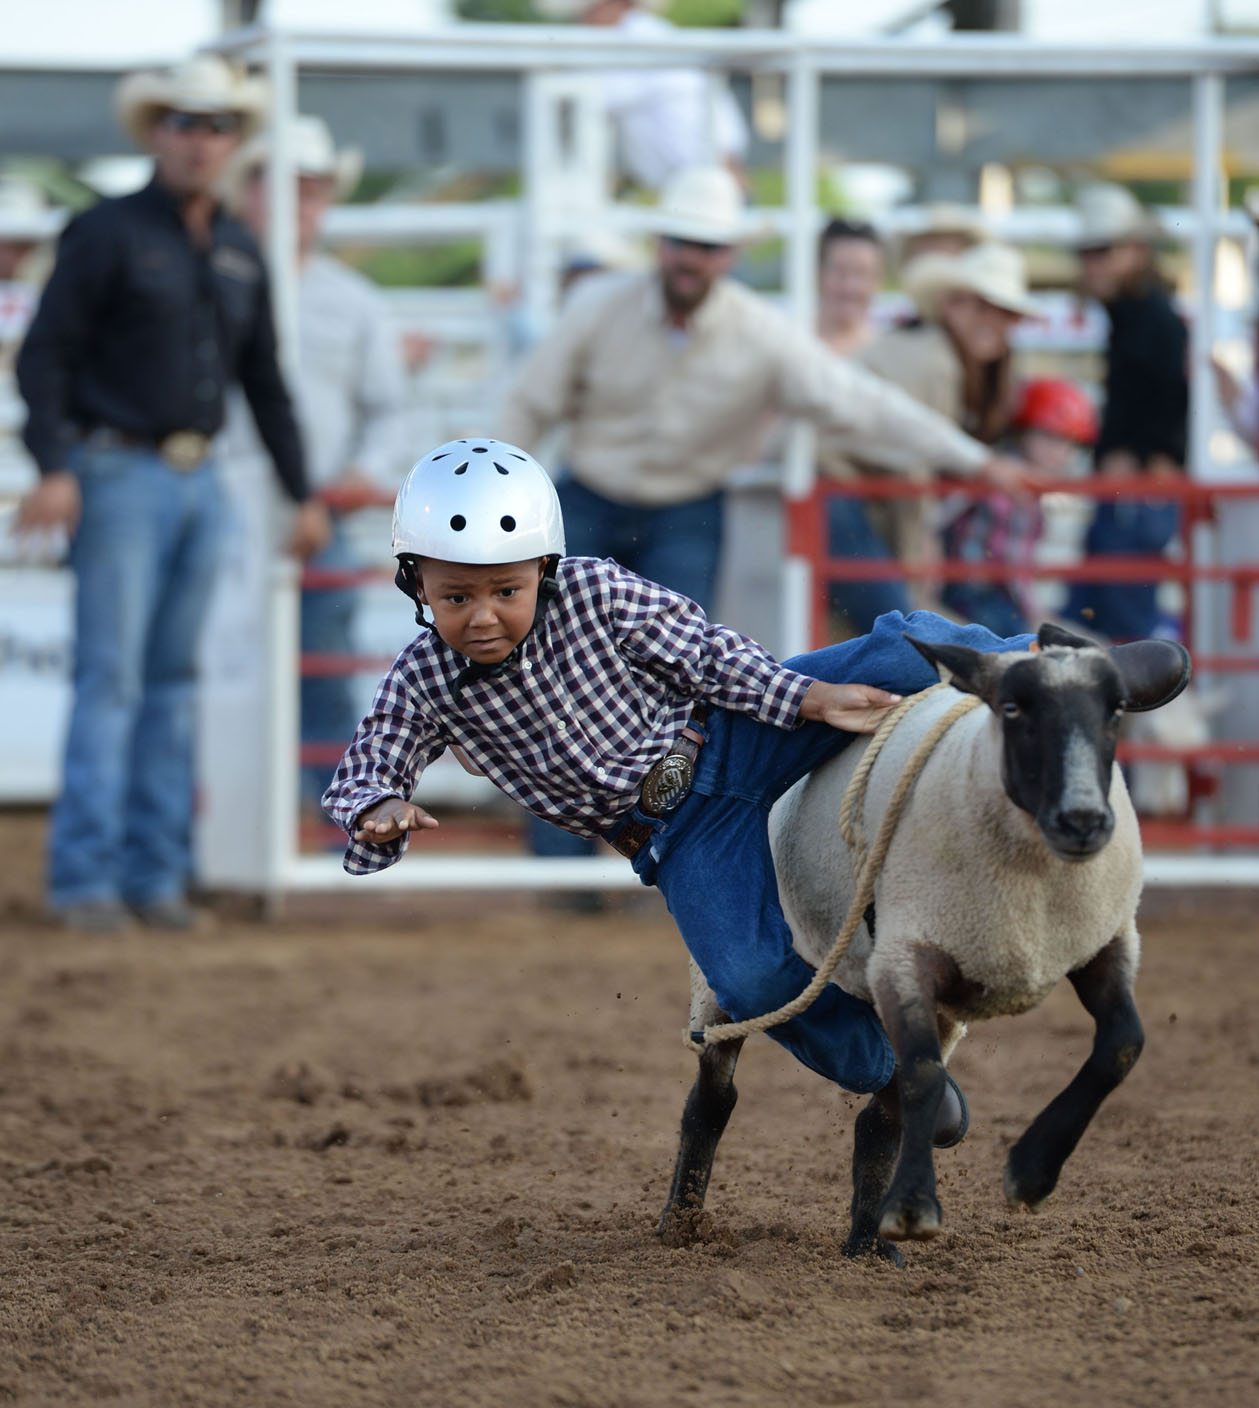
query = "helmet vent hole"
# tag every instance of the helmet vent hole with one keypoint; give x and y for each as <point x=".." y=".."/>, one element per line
<point x="524" y="459"/>
<point x="479" y="449"/>
<point x="507" y="523"/>
<point x="458" y="523"/>
<point x="445" y="454"/>
<point x="500" y="468"/>
<point x="461" y="468"/>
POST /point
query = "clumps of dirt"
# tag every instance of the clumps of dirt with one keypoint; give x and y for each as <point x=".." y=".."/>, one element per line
<point x="495" y="1083"/>
<point x="295" y="1081"/>
<point x="555" y="1278"/>
<point x="498" y="1082"/>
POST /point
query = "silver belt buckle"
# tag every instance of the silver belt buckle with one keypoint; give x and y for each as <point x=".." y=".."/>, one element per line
<point x="184" y="449"/>
<point x="666" y="784"/>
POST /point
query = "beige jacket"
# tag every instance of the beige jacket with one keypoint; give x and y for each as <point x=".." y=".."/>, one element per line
<point x="922" y="362"/>
<point x="660" y="416"/>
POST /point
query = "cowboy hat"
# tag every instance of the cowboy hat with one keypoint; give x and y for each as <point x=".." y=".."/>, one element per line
<point x="204" y="83"/>
<point x="314" y="154"/>
<point x="994" y="272"/>
<point x="24" y="213"/>
<point x="574" y="9"/>
<point x="1110" y="214"/>
<point x="700" y="203"/>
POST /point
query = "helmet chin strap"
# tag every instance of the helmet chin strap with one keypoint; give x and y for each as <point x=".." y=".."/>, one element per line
<point x="548" y="589"/>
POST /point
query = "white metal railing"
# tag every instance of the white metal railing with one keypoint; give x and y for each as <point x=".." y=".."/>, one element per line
<point x="803" y="60"/>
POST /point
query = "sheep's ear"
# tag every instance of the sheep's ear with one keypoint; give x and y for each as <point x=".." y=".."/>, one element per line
<point x="1050" y="634"/>
<point x="971" y="671"/>
<point x="1153" y="672"/>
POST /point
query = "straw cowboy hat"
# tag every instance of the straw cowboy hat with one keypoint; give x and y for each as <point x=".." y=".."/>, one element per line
<point x="204" y="83"/>
<point x="574" y="9"/>
<point x="1110" y="214"/>
<point x="314" y="154"/>
<point x="701" y="203"/>
<point x="994" y="272"/>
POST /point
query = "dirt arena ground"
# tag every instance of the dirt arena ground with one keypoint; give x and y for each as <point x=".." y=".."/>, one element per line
<point x="413" y="1154"/>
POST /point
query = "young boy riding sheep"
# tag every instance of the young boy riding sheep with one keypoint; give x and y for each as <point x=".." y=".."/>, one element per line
<point x="612" y="707"/>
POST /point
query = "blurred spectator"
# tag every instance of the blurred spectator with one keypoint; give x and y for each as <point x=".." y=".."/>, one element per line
<point x="956" y="360"/>
<point x="1145" y="411"/>
<point x="850" y="272"/>
<point x="158" y="301"/>
<point x="1052" y="422"/>
<point x="1240" y="398"/>
<point x="667" y="119"/>
<point x="351" y="395"/>
<point x="25" y="260"/>
<point x="948" y="229"/>
<point x="666" y="379"/>
<point x="23" y="232"/>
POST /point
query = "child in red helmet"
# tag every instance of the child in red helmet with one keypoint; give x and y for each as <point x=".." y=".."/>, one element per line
<point x="1052" y="422"/>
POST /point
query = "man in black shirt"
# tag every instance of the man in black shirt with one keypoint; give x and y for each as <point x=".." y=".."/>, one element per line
<point x="1145" y="411"/>
<point x="157" y="302"/>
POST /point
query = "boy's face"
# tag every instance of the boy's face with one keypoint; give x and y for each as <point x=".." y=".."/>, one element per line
<point x="484" y="612"/>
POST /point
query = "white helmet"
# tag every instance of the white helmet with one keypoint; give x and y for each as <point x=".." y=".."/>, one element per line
<point x="478" y="501"/>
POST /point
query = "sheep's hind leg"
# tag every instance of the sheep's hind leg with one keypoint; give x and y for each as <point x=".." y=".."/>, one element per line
<point x="708" y="1109"/>
<point x="1104" y="986"/>
<point x="908" y="998"/>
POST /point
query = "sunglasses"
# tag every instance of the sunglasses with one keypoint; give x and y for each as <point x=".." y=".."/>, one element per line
<point x="1094" y="251"/>
<point x="698" y="246"/>
<point x="221" y="124"/>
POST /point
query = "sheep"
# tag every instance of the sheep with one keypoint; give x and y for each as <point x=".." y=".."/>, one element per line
<point x="1016" y="862"/>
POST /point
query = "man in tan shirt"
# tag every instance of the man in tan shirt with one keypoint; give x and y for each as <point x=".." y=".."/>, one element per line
<point x="665" y="380"/>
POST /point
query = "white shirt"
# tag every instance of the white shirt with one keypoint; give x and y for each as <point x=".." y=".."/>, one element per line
<point x="351" y="389"/>
<point x="664" y="116"/>
<point x="653" y="420"/>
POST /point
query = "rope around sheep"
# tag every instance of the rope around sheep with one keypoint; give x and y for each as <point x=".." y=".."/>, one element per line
<point x="867" y="862"/>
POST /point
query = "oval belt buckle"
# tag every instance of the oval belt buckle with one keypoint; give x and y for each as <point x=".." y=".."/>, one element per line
<point x="184" y="449"/>
<point x="666" y="784"/>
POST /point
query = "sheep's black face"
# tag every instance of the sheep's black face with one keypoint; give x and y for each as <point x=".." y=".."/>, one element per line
<point x="1060" y="712"/>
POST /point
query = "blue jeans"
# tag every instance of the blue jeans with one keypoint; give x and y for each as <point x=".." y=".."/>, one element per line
<point x="678" y="546"/>
<point x="711" y="858"/>
<point x="850" y="533"/>
<point x="327" y="627"/>
<point x="144" y="558"/>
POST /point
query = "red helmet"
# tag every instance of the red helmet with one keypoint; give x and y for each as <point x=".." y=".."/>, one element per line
<point x="1057" y="408"/>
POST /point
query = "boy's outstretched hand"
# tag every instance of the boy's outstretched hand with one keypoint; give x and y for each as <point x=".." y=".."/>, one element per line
<point x="388" y="820"/>
<point x="856" y="708"/>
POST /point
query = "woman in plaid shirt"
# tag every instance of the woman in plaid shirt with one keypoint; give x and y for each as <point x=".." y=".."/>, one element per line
<point x="567" y="681"/>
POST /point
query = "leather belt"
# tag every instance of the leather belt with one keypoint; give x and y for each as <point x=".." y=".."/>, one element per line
<point x="183" y="450"/>
<point x="666" y="786"/>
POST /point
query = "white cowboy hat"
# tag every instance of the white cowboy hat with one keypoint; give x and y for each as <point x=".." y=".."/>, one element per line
<point x="602" y="249"/>
<point x="994" y="272"/>
<point x="314" y="154"/>
<point x="204" y="83"/>
<point x="24" y="214"/>
<point x="701" y="203"/>
<point x="1110" y="214"/>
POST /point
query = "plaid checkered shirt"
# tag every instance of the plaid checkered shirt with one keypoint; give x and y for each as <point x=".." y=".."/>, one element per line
<point x="593" y="698"/>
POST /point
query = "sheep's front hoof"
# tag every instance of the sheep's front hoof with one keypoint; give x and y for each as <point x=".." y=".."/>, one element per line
<point x="1023" y="1189"/>
<point x="875" y="1248"/>
<point x="913" y="1219"/>
<point x="685" y="1226"/>
<point x="1027" y="1182"/>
